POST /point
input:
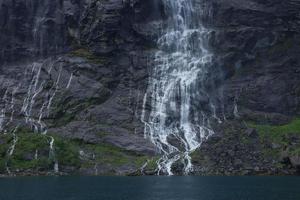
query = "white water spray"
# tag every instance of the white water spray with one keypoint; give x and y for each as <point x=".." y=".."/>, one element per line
<point x="52" y="154"/>
<point x="179" y="121"/>
<point x="11" y="149"/>
<point x="70" y="81"/>
<point x="35" y="95"/>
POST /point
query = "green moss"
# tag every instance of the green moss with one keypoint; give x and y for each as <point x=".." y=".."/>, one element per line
<point x="196" y="155"/>
<point x="140" y="161"/>
<point x="272" y="153"/>
<point x="295" y="151"/>
<point x="245" y="140"/>
<point x="29" y="164"/>
<point x="65" y="110"/>
<point x="85" y="53"/>
<point x="2" y="165"/>
<point x="108" y="154"/>
<point x="199" y="157"/>
<point x="277" y="133"/>
<point x="24" y="153"/>
<point x="152" y="163"/>
<point x="4" y="146"/>
<point x="116" y="157"/>
<point x="5" y="141"/>
<point x="29" y="142"/>
<point x="67" y="152"/>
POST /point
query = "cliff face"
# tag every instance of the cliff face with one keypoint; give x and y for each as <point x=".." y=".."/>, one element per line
<point x="79" y="69"/>
<point x="37" y="28"/>
<point x="256" y="45"/>
<point x="257" y="42"/>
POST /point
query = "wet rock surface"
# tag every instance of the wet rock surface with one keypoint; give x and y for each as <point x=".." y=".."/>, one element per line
<point x="100" y="54"/>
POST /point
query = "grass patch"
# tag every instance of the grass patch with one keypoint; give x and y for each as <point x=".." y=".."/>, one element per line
<point x="24" y="154"/>
<point x="276" y="133"/>
<point x="151" y="162"/>
<point x="67" y="152"/>
<point x="281" y="135"/>
<point x="28" y="144"/>
<point x="116" y="157"/>
<point x="108" y="154"/>
<point x="4" y="146"/>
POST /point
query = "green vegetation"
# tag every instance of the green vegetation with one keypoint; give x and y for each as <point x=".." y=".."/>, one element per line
<point x="5" y="141"/>
<point x="115" y="156"/>
<point x="65" y="110"/>
<point x="32" y="152"/>
<point x="85" y="53"/>
<point x="67" y="152"/>
<point x="152" y="163"/>
<point x="276" y="133"/>
<point x="23" y="158"/>
<point x="108" y="154"/>
<point x="280" y="135"/>
<point x="25" y="150"/>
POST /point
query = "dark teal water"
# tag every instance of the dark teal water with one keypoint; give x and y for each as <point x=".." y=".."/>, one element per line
<point x="150" y="188"/>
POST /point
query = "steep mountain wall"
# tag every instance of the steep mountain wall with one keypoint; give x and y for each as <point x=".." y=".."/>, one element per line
<point x="79" y="69"/>
<point x="256" y="43"/>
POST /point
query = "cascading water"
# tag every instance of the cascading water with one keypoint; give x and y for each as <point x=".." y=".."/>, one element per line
<point x="181" y="108"/>
<point x="37" y="78"/>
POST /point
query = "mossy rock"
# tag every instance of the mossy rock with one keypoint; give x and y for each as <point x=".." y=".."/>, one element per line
<point x="287" y="137"/>
<point x="87" y="54"/>
<point x="26" y="147"/>
<point x="66" y="153"/>
<point x="277" y="133"/>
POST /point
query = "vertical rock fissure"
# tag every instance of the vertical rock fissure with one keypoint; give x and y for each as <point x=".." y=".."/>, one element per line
<point x="178" y="95"/>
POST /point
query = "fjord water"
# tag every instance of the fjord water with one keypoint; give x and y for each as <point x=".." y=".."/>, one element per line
<point x="178" y="95"/>
<point x="150" y="188"/>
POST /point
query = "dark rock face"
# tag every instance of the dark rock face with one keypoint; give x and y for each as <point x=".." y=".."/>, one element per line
<point x="37" y="28"/>
<point x="94" y="57"/>
<point x="257" y="46"/>
<point x="92" y="71"/>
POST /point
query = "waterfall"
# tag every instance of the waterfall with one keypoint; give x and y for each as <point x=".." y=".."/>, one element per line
<point x="37" y="90"/>
<point x="52" y="154"/>
<point x="70" y="81"/>
<point x="178" y="96"/>
<point x="11" y="149"/>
